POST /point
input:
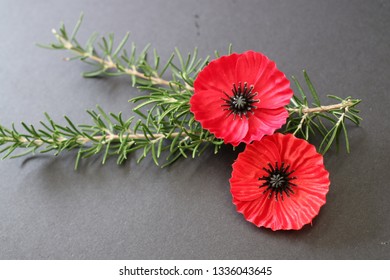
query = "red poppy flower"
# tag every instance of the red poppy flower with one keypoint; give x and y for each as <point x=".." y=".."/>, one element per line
<point x="241" y="97"/>
<point x="279" y="182"/>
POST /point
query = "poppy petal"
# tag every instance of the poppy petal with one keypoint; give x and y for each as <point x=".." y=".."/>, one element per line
<point x="217" y="75"/>
<point x="265" y="122"/>
<point x="249" y="67"/>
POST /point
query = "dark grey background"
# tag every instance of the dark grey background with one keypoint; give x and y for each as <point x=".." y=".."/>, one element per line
<point x="50" y="211"/>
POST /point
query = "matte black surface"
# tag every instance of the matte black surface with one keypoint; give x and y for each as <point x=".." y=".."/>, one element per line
<point x="50" y="211"/>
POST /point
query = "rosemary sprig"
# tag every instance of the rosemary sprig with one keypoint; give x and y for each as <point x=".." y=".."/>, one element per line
<point x="113" y="61"/>
<point x="111" y="135"/>
<point x="166" y="128"/>
<point x="328" y="120"/>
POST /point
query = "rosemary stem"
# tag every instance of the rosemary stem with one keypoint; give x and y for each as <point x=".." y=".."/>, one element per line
<point x="113" y="137"/>
<point x="306" y="110"/>
<point x="37" y="141"/>
<point x="299" y="127"/>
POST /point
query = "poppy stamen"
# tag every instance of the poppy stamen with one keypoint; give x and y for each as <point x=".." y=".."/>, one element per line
<point x="241" y="102"/>
<point x="278" y="181"/>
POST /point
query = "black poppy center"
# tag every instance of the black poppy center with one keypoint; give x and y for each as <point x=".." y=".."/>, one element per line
<point x="278" y="180"/>
<point x="241" y="102"/>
